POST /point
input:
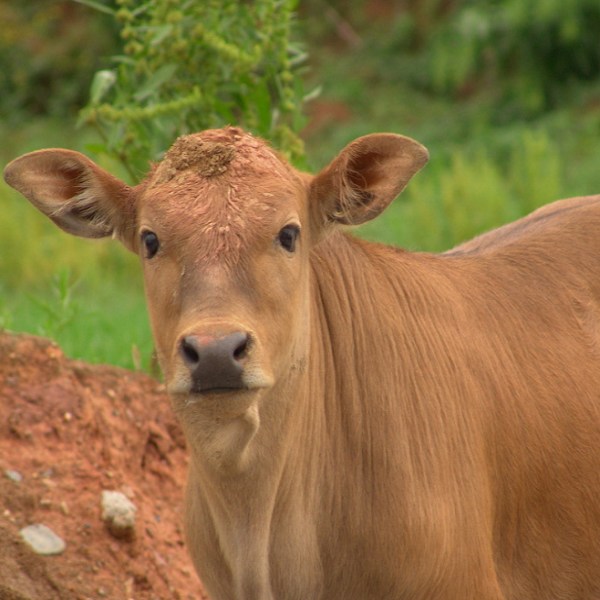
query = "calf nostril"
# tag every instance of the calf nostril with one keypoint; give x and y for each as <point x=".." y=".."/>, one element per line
<point x="241" y="350"/>
<point x="189" y="351"/>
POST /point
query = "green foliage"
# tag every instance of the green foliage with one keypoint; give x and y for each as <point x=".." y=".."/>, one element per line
<point x="189" y="66"/>
<point x="49" y="51"/>
<point x="60" y="307"/>
<point x="520" y="56"/>
<point x="525" y="53"/>
<point x="98" y="322"/>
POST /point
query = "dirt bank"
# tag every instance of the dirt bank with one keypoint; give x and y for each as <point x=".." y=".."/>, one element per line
<point x="69" y="430"/>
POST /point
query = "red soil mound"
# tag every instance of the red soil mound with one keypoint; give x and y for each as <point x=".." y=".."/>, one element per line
<point x="72" y="430"/>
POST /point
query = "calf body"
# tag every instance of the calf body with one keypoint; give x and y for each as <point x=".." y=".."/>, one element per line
<point x="363" y="422"/>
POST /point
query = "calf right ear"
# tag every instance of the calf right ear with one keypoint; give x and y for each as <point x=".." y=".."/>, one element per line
<point x="78" y="195"/>
<point x="364" y="178"/>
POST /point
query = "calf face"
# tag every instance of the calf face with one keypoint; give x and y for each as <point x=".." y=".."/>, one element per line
<point x="223" y="227"/>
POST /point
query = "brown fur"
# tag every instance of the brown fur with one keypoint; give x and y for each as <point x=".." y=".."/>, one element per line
<point x="416" y="426"/>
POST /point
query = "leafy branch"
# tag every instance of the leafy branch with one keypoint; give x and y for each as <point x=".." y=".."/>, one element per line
<point x="188" y="66"/>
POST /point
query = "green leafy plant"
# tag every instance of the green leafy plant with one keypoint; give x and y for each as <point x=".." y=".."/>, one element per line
<point x="532" y="48"/>
<point x="61" y="308"/>
<point x="522" y="57"/>
<point x="49" y="50"/>
<point x="188" y="66"/>
<point x="5" y="320"/>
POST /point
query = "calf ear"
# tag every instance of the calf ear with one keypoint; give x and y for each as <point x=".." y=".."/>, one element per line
<point x="75" y="193"/>
<point x="365" y="177"/>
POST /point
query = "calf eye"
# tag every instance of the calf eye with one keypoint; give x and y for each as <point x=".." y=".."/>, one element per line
<point x="287" y="237"/>
<point x="151" y="243"/>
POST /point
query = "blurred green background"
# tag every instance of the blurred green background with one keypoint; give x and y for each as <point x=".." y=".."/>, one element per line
<point x="504" y="93"/>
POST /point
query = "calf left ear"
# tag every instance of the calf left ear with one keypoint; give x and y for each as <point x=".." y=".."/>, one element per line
<point x="365" y="177"/>
<point x="78" y="195"/>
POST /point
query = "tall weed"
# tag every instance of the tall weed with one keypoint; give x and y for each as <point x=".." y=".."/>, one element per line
<point x="191" y="66"/>
<point x="61" y="306"/>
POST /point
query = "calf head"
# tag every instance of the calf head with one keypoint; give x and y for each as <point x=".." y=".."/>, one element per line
<point x="224" y="228"/>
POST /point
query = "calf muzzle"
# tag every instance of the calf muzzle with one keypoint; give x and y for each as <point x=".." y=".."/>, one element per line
<point x="215" y="363"/>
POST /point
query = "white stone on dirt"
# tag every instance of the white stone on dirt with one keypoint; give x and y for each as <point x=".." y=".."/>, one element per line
<point x="42" y="539"/>
<point x="118" y="514"/>
<point x="14" y="475"/>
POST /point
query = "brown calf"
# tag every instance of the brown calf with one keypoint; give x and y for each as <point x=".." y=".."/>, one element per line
<point x="364" y="423"/>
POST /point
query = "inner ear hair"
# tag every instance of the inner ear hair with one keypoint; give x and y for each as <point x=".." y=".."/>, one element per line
<point x="366" y="177"/>
<point x="357" y="182"/>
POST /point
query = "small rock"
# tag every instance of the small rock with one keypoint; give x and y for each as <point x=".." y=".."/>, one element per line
<point x="42" y="539"/>
<point x="14" y="475"/>
<point x="118" y="514"/>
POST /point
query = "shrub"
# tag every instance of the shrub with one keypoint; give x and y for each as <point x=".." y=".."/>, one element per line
<point x="526" y="52"/>
<point x="522" y="56"/>
<point x="188" y="66"/>
<point x="49" y="51"/>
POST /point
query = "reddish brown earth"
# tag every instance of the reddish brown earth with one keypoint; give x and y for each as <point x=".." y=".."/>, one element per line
<point x="72" y="430"/>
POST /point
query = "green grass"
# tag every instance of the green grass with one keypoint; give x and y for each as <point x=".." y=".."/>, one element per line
<point x="97" y="322"/>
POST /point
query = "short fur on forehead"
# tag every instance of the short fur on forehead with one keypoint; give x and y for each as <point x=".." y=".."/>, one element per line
<point x="219" y="187"/>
